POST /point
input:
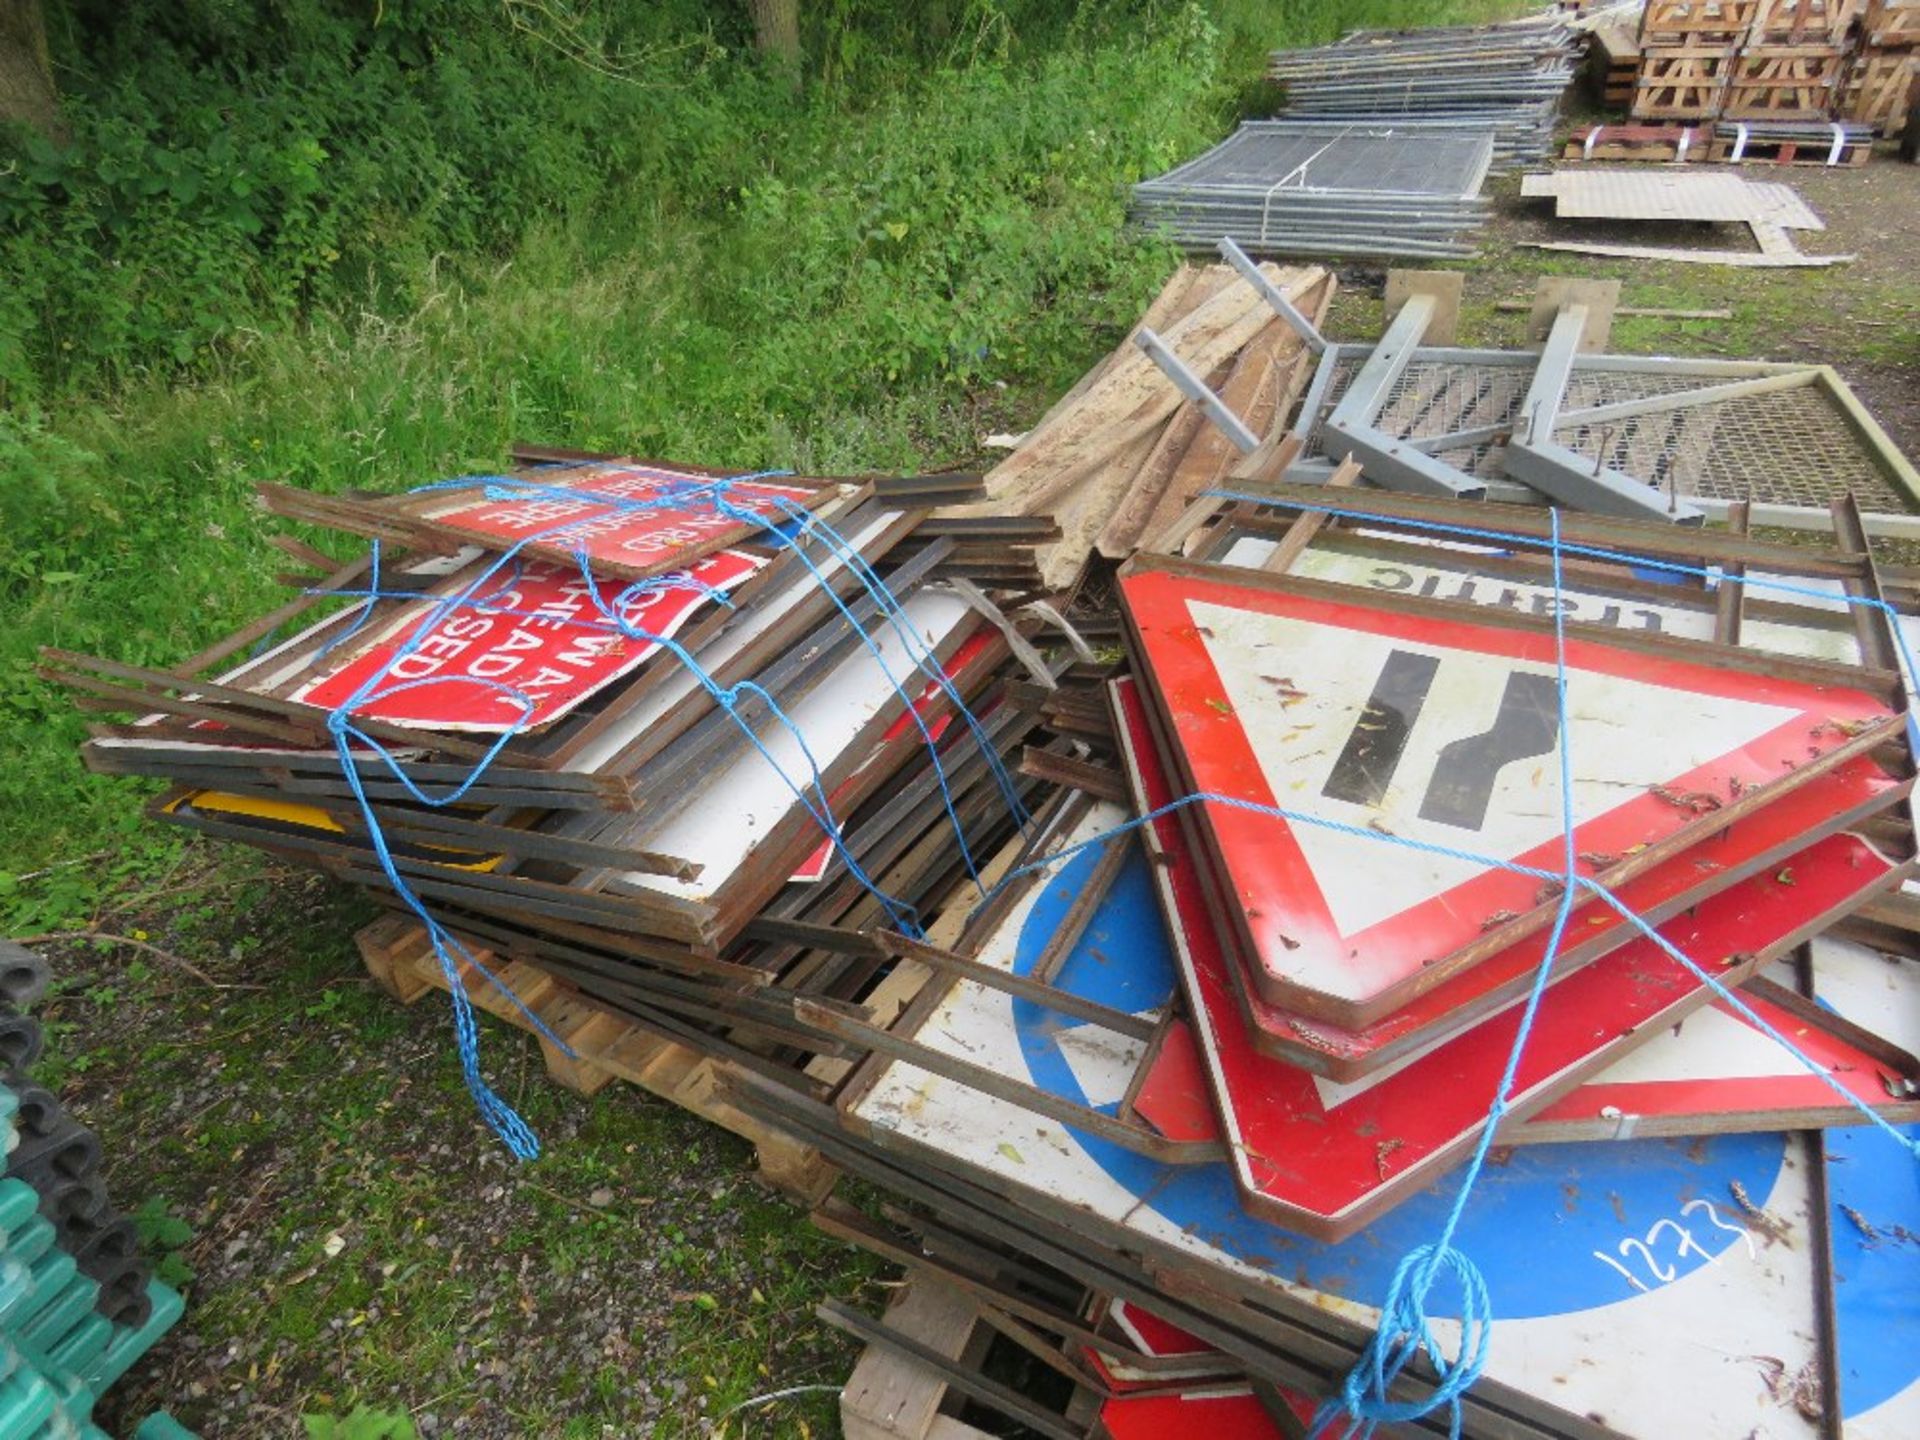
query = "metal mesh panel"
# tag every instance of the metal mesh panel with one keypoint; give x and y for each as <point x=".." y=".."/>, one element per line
<point x="1789" y="447"/>
<point x="1437" y="398"/>
<point x="1363" y="158"/>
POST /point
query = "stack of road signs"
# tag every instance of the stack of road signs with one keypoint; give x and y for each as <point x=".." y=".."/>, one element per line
<point x="1172" y="989"/>
<point x="1624" y="1277"/>
<point x="666" y="732"/>
<point x="1219" y="1069"/>
<point x="1356" y="998"/>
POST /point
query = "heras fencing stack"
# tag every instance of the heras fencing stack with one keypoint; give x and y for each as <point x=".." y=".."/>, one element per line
<point x="1508" y="77"/>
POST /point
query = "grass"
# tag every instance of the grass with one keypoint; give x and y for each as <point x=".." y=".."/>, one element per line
<point x="872" y="280"/>
<point x="896" y="272"/>
<point x="357" y="1239"/>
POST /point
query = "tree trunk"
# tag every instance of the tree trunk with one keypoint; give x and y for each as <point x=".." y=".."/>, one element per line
<point x="776" y="30"/>
<point x="27" y="92"/>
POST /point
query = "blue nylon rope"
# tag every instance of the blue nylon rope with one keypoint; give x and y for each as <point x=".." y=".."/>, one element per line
<point x="499" y="1116"/>
<point x="727" y="698"/>
<point x="684" y="491"/>
<point x="1595" y="552"/>
<point x="1404" y="1331"/>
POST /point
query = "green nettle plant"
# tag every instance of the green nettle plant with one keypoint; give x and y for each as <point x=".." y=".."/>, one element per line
<point x="344" y="244"/>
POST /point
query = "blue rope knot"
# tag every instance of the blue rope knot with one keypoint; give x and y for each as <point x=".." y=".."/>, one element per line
<point x="1404" y="1332"/>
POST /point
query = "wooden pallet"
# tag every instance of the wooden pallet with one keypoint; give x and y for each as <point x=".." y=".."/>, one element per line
<point x="1890" y="24"/>
<point x="1785" y="82"/>
<point x="1637" y="142"/>
<point x="891" y="1396"/>
<point x="894" y="1396"/>
<point x="1682" y="82"/>
<point x="606" y="1046"/>
<point x="1696" y="22"/>
<point x="1793" y="22"/>
<point x="1879" y="87"/>
<point x="1788" y="152"/>
<point x="1612" y="63"/>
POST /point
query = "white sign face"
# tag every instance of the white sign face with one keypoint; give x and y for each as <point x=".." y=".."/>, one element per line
<point x="1334" y="679"/>
<point x="1385" y="783"/>
<point x="1457" y="579"/>
<point x="1663" y="1288"/>
<point x="739" y="807"/>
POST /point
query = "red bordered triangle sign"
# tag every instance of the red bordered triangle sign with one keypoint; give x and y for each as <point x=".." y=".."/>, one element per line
<point x="1378" y="720"/>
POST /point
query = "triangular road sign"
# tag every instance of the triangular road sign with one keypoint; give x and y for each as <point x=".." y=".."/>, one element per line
<point x="1325" y="1158"/>
<point x="1825" y="806"/>
<point x="1381" y="720"/>
<point x="1717" y="1072"/>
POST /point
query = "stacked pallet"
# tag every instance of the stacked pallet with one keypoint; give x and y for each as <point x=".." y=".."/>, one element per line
<point x="1793" y="62"/>
<point x="1744" y="59"/>
<point x="1881" y="76"/>
<point x="1613" y="64"/>
<point x="1687" y="50"/>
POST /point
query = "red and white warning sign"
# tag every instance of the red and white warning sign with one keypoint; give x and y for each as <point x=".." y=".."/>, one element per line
<point x="639" y="520"/>
<point x="523" y="654"/>
<point x="1219" y="1412"/>
<point x="1830" y="803"/>
<point x="1718" y="1072"/>
<point x="1168" y="1356"/>
<point x="1374" y="723"/>
<point x="1324" y="1158"/>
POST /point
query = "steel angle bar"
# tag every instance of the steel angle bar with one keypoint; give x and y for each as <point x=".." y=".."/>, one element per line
<point x="1387" y="460"/>
<point x="1197" y="390"/>
<point x="1532" y="456"/>
<point x="1900" y="471"/>
<point x="1806" y="519"/>
<point x="1314" y="400"/>
<point x="1687" y="399"/>
<point x="982" y="1270"/>
<point x="1523" y="526"/>
<point x="1267" y="1331"/>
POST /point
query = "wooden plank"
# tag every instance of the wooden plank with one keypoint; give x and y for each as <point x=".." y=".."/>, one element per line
<point x="891" y="1396"/>
<point x="606" y="1045"/>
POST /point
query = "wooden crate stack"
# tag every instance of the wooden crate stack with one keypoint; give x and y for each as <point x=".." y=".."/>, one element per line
<point x="1880" y="80"/>
<point x="1793" y="63"/>
<point x="1688" y="49"/>
<point x="1775" y="60"/>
